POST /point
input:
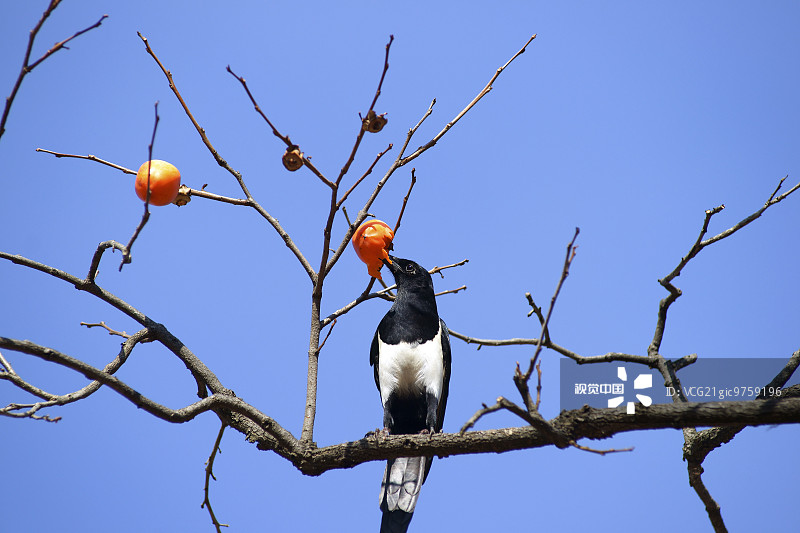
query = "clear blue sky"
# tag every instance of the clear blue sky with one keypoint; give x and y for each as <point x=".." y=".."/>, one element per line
<point x="628" y="119"/>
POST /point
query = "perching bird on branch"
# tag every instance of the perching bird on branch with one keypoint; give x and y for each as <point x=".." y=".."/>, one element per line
<point x="410" y="354"/>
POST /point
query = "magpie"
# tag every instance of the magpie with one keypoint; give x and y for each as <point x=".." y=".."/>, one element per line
<point x="410" y="354"/>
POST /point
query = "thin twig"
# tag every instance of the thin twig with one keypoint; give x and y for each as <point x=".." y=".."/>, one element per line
<point x="556" y="437"/>
<point x="538" y="312"/>
<point x="581" y="360"/>
<point x="367" y="295"/>
<point x="202" y="132"/>
<point x="451" y="291"/>
<point x="438" y="269"/>
<point x="224" y="164"/>
<point x="285" y="138"/>
<point x="90" y="157"/>
<point x="28" y="67"/>
<point x="209" y="475"/>
<point x="538" y="384"/>
<point x="98" y="255"/>
<point x="330" y="330"/>
<point x="105" y="326"/>
<point x="401" y="160"/>
<point x="126" y="253"/>
<point x="359" y="180"/>
<point x="361" y="130"/>
<point x="413" y="130"/>
<point x="61" y="44"/>
<point x="464" y="111"/>
<point x="699" y="245"/>
<point x="599" y="452"/>
<point x="217" y="197"/>
<point x="571" y="249"/>
<point x="405" y="200"/>
<point x="188" y="190"/>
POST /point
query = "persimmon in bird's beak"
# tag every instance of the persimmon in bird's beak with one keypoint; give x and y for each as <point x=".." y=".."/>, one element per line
<point x="371" y="241"/>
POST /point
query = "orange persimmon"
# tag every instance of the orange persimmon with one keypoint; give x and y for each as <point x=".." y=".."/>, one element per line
<point x="165" y="180"/>
<point x="371" y="241"/>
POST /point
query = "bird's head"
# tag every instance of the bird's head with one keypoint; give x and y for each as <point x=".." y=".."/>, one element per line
<point x="409" y="276"/>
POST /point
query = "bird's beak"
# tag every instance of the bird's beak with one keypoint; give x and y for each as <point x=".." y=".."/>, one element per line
<point x="391" y="266"/>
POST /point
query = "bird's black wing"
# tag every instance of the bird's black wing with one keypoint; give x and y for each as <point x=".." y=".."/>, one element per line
<point x="446" y="361"/>
<point x="373" y="358"/>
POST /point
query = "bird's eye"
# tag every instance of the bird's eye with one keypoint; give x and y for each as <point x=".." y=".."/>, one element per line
<point x="410" y="269"/>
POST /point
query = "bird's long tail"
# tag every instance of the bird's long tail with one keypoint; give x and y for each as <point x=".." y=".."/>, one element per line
<point x="402" y="480"/>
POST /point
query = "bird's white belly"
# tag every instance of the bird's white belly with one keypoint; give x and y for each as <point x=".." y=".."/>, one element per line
<point x="411" y="368"/>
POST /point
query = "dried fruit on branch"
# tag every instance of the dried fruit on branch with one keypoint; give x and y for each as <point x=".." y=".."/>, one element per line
<point x="293" y="158"/>
<point x="374" y="123"/>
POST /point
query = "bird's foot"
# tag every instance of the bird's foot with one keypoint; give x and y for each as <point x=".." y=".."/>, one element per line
<point x="378" y="434"/>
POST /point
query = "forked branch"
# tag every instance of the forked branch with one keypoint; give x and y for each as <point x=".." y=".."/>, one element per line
<point x="27" y="66"/>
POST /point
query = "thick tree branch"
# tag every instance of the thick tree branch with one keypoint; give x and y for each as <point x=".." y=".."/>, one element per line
<point x="218" y="401"/>
<point x="579" y="424"/>
<point x="573" y="425"/>
<point x="201" y="373"/>
<point x="52" y="400"/>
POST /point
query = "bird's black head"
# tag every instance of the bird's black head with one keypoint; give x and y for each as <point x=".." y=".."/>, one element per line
<point x="409" y="276"/>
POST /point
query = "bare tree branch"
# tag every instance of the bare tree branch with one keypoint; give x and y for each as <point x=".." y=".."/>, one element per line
<point x="405" y="199"/>
<point x="224" y="164"/>
<point x="419" y="151"/>
<point x="401" y="160"/>
<point x="289" y="144"/>
<point x="126" y="252"/>
<point x="366" y="295"/>
<point x="209" y="475"/>
<point x="185" y="190"/>
<point x="204" y="378"/>
<point x="579" y="424"/>
<point x="90" y="157"/>
<point x="222" y="400"/>
<point x="359" y="180"/>
<point x="699" y="244"/>
<point x="27" y="66"/>
<point x="712" y="507"/>
<point x="571" y="249"/>
<point x="105" y="326"/>
<point x="574" y="425"/>
<point x="413" y="130"/>
<point x="52" y="400"/>
<point x="325" y="267"/>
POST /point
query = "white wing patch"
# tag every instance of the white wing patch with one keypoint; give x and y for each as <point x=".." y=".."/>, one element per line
<point x="410" y="368"/>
